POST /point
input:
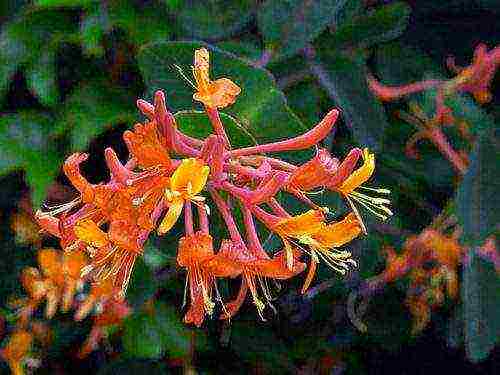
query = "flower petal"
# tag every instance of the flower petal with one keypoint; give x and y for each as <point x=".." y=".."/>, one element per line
<point x="360" y="175"/>
<point x="173" y="214"/>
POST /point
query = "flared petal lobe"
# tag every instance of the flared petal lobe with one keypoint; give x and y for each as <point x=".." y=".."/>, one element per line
<point x="189" y="178"/>
<point x="360" y="175"/>
<point x="213" y="94"/>
<point x="339" y="233"/>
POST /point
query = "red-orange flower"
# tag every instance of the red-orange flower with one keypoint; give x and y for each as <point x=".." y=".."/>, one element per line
<point x="235" y="259"/>
<point x="194" y="250"/>
<point x="16" y="350"/>
<point x="315" y="173"/>
<point x="57" y="282"/>
<point x="214" y="94"/>
<point x="147" y="146"/>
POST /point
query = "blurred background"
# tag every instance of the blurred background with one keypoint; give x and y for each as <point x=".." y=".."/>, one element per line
<point x="70" y="73"/>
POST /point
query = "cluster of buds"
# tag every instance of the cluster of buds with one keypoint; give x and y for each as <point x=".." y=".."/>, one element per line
<point x="474" y="79"/>
<point x="169" y="174"/>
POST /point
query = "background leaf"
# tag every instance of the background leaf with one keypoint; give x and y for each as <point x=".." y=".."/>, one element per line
<point x="364" y="115"/>
<point x="92" y="109"/>
<point x="25" y="144"/>
<point x="477" y="198"/>
<point x="480" y="295"/>
<point x="288" y="25"/>
<point x="214" y="19"/>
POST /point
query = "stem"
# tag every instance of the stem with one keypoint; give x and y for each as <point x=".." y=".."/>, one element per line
<point x="388" y="93"/>
<point x="213" y="115"/>
<point x="148" y="110"/>
<point x="188" y="218"/>
<point x="227" y="216"/>
<point x="257" y="161"/>
<point x="264" y="59"/>
<point x="252" y="235"/>
<point x="203" y="219"/>
<point x="277" y="208"/>
<point x="438" y="138"/>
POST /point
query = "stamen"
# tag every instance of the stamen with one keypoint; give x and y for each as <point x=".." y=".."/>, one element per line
<point x="219" y="298"/>
<point x="358" y="216"/>
<point x="184" y="298"/>
<point x="183" y="75"/>
<point x="374" y="200"/>
<point x="377" y="190"/>
<point x="367" y="206"/>
<point x="57" y="209"/>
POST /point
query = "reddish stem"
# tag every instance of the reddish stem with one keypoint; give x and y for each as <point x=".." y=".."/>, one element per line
<point x="203" y="219"/>
<point x="277" y="208"/>
<point x="438" y="138"/>
<point x="188" y="218"/>
<point x="227" y="216"/>
<point x="213" y="115"/>
<point x="387" y="93"/>
<point x="252" y="236"/>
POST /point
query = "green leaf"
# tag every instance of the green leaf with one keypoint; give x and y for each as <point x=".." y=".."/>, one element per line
<point x="364" y="115"/>
<point x="92" y="31"/>
<point x="480" y="295"/>
<point x="261" y="108"/>
<point x="25" y="144"/>
<point x="160" y="331"/>
<point x="63" y="3"/>
<point x="141" y="337"/>
<point x="214" y="19"/>
<point x="175" y="336"/>
<point x="143" y="285"/>
<point x="92" y="109"/>
<point x="142" y="25"/>
<point x="132" y="367"/>
<point x="257" y="343"/>
<point x="380" y="25"/>
<point x="287" y="26"/>
<point x="477" y="198"/>
<point x="41" y="77"/>
<point x="246" y="49"/>
<point x="24" y="39"/>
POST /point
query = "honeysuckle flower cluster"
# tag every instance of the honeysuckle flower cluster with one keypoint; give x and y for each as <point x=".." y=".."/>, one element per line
<point x="170" y="174"/>
<point x="474" y="79"/>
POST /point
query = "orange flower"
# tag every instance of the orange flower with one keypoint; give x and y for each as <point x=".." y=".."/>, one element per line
<point x="99" y="293"/>
<point x="300" y="227"/>
<point x="25" y="227"/>
<point x="186" y="183"/>
<point x="213" y="94"/>
<point x="113" y="254"/>
<point x="16" y="350"/>
<point x="146" y="145"/>
<point x="233" y="260"/>
<point x="193" y="251"/>
<point x="114" y="311"/>
<point x="58" y="282"/>
<point x="375" y="205"/>
<point x="314" y="173"/>
<point x="324" y="242"/>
